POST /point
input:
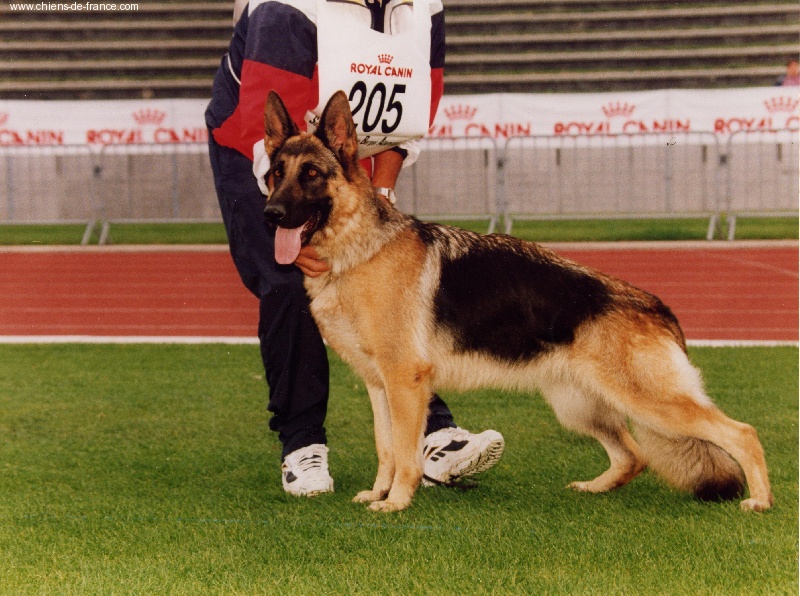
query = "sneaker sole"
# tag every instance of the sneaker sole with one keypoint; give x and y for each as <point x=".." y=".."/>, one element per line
<point x="310" y="493"/>
<point x="486" y="459"/>
<point x="314" y="493"/>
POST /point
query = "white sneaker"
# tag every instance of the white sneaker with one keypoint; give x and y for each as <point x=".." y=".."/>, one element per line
<point x="453" y="453"/>
<point x="305" y="472"/>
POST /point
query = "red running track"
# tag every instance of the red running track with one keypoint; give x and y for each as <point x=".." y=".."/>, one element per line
<point x="719" y="292"/>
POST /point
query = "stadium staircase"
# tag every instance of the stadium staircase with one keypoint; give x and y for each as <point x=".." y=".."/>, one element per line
<point x="173" y="49"/>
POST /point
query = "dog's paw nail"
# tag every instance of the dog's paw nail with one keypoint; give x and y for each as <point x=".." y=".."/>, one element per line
<point x="754" y="505"/>
<point x="388" y="506"/>
<point x="365" y="496"/>
<point x="579" y="486"/>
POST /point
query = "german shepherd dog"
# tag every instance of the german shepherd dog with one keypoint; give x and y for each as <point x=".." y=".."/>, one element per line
<point x="414" y="307"/>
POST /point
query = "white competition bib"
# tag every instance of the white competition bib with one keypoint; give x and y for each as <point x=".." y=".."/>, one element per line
<point x="387" y="78"/>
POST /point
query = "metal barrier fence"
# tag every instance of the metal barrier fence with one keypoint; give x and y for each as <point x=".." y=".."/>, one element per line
<point x="684" y="174"/>
<point x="762" y="176"/>
<point x="626" y="175"/>
<point x="156" y="182"/>
<point x="47" y="184"/>
<point x="453" y="178"/>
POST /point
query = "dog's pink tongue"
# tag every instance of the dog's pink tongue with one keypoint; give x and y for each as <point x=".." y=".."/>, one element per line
<point x="287" y="245"/>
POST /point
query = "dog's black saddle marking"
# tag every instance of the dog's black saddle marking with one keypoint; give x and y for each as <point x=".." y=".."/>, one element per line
<point x="510" y="303"/>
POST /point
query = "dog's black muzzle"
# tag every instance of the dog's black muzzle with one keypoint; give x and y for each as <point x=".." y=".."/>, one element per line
<point x="274" y="213"/>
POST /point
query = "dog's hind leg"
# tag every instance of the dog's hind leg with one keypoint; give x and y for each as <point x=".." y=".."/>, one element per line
<point x="701" y="437"/>
<point x="587" y="414"/>
<point x="383" y="443"/>
<point x="687" y="438"/>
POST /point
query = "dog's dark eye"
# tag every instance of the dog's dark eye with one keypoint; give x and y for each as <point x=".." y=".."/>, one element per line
<point x="312" y="172"/>
<point x="277" y="173"/>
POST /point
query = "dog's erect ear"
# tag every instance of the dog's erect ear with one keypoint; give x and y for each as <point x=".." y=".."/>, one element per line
<point x="278" y="126"/>
<point x="338" y="131"/>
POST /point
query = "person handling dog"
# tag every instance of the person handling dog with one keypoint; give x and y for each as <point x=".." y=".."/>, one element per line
<point x="388" y="56"/>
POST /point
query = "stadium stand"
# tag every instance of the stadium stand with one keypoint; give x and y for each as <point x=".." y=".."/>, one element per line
<point x="172" y="49"/>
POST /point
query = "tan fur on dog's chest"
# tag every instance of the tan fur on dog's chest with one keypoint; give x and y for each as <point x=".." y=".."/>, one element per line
<point x="364" y="311"/>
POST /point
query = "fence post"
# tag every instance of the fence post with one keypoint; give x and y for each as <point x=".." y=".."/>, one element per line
<point x="714" y="220"/>
<point x="176" y="204"/>
<point x="10" y="187"/>
<point x="725" y="168"/>
<point x="668" y="176"/>
<point x="500" y="186"/>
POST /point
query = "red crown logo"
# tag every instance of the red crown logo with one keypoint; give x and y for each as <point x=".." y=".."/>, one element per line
<point x="781" y="104"/>
<point x="460" y="112"/>
<point x="385" y="58"/>
<point x="3" y="118"/>
<point x="618" y="109"/>
<point x="148" y="116"/>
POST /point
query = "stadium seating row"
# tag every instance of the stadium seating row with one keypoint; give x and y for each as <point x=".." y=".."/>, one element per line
<point x="172" y="49"/>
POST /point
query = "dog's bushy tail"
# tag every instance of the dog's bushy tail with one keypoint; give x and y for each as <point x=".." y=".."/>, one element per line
<point x="692" y="465"/>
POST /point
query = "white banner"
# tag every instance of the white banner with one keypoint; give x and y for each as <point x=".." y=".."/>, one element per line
<point x="99" y="123"/>
<point x="723" y="111"/>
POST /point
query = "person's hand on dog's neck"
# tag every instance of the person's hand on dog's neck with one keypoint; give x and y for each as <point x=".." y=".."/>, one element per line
<point x="309" y="263"/>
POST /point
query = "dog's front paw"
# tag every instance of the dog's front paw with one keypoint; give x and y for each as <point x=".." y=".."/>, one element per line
<point x="369" y="496"/>
<point x="389" y="506"/>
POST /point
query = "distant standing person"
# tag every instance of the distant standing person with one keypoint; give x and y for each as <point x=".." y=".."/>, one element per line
<point x="792" y="76"/>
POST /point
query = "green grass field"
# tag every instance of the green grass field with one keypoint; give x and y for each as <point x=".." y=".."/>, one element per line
<point x="766" y="228"/>
<point x="148" y="469"/>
